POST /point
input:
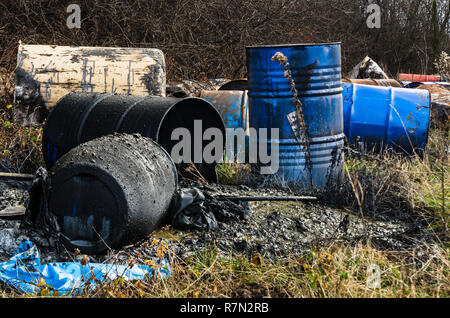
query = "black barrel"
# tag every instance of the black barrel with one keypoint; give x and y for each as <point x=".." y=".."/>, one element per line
<point x="80" y="117"/>
<point x="111" y="191"/>
<point x="235" y="85"/>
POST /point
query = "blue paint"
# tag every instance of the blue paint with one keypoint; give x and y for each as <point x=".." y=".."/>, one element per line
<point x="74" y="209"/>
<point x="47" y="153"/>
<point x="90" y="79"/>
<point x="148" y="133"/>
<point x="55" y="153"/>
<point x="106" y="76"/>
<point x="83" y="75"/>
<point x="51" y="155"/>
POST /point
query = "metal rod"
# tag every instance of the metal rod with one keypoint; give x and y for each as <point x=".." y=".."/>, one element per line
<point x="289" y="198"/>
<point x="17" y="176"/>
<point x="13" y="211"/>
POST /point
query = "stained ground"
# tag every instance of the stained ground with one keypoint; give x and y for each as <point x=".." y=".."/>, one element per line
<point x="272" y="229"/>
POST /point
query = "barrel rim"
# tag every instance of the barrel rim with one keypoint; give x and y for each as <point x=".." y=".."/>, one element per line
<point x="183" y="100"/>
<point x="292" y="45"/>
<point x="208" y="166"/>
<point x="224" y="87"/>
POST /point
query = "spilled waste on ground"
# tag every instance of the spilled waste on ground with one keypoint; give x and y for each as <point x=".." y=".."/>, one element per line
<point x="275" y="229"/>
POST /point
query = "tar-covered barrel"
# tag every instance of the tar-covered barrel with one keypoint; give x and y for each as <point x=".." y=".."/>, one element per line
<point x="111" y="191"/>
<point x="316" y="71"/>
<point x="80" y="117"/>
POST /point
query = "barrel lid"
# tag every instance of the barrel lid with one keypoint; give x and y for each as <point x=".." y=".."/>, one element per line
<point x="291" y="45"/>
<point x="90" y="207"/>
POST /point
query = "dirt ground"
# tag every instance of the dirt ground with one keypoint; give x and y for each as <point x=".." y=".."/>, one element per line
<point x="276" y="230"/>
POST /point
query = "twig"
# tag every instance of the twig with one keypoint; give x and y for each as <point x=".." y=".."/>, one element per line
<point x="283" y="60"/>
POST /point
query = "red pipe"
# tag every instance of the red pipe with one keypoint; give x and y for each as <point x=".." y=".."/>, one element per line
<point x="418" y="78"/>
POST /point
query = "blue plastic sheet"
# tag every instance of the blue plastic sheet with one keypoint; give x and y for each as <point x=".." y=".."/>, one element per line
<point x="24" y="272"/>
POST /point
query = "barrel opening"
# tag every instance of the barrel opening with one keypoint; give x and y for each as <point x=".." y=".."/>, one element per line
<point x="297" y="45"/>
<point x="186" y="114"/>
<point x="235" y="85"/>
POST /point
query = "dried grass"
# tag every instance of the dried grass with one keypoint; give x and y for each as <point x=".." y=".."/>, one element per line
<point x="331" y="271"/>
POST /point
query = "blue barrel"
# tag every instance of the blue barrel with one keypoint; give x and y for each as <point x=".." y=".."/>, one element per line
<point x="417" y="84"/>
<point x="232" y="106"/>
<point x="316" y="70"/>
<point x="377" y="118"/>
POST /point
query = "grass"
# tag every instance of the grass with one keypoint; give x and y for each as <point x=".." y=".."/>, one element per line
<point x="332" y="271"/>
<point x="416" y="186"/>
<point x="233" y="173"/>
<point x="20" y="147"/>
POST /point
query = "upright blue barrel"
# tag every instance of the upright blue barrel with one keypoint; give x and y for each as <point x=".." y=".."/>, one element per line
<point x="379" y="118"/>
<point x="316" y="71"/>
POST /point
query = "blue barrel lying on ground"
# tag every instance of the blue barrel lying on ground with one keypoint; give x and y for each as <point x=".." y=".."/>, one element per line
<point x="377" y="118"/>
<point x="316" y="71"/>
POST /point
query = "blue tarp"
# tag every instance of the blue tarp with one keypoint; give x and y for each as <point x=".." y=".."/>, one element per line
<point x="24" y="272"/>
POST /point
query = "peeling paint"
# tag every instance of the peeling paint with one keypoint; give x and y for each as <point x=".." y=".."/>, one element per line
<point x="58" y="70"/>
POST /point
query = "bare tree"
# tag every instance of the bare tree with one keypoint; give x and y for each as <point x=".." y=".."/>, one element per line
<point x="207" y="38"/>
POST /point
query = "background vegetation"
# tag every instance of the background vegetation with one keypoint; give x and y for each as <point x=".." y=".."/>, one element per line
<point x="207" y="38"/>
